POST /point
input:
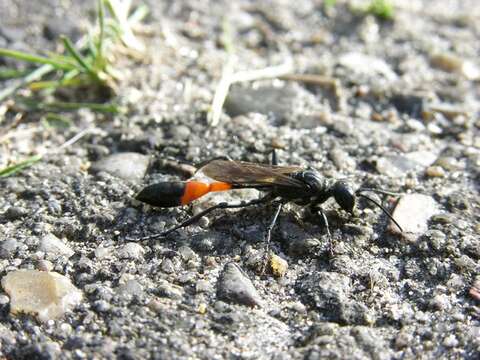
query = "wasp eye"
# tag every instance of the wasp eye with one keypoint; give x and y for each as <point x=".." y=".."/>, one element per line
<point x="344" y="196"/>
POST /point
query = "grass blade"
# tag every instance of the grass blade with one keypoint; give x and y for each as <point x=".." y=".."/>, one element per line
<point x="13" y="169"/>
<point x="70" y="106"/>
<point x="33" y="76"/>
<point x="79" y="58"/>
<point x="23" y="56"/>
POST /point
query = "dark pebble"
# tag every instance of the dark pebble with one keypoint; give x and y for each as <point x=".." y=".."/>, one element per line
<point x="234" y="286"/>
<point x="15" y="213"/>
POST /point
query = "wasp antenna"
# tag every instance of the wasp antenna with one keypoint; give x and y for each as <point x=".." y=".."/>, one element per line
<point x="383" y="209"/>
<point x="378" y="191"/>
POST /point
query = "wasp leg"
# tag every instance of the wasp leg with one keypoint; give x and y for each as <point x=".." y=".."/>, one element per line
<point x="268" y="235"/>
<point x="329" y="234"/>
<point x="197" y="217"/>
<point x="274" y="160"/>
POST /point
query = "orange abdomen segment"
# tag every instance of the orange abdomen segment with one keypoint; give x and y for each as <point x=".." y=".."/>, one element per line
<point x="196" y="189"/>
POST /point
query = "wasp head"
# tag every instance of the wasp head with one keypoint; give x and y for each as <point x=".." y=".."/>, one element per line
<point x="344" y="195"/>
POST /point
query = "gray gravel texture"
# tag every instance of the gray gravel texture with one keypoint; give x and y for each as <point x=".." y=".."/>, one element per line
<point x="403" y="118"/>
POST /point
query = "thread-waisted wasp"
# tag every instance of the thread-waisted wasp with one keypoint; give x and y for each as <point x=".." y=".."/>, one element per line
<point x="282" y="184"/>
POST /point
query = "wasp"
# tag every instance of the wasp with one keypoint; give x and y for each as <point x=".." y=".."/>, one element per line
<point x="280" y="185"/>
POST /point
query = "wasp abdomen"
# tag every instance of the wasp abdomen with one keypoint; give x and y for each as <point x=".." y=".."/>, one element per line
<point x="176" y="193"/>
<point x="164" y="194"/>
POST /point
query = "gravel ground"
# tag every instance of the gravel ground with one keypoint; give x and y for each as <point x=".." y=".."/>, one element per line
<point x="402" y="114"/>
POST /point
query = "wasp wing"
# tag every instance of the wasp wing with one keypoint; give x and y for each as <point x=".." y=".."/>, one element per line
<point x="245" y="173"/>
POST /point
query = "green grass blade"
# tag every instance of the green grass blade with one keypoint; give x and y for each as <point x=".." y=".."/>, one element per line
<point x="13" y="169"/>
<point x="101" y="25"/>
<point x="69" y="106"/>
<point x="33" y="76"/>
<point x="8" y="73"/>
<point x="79" y="58"/>
<point x="20" y="55"/>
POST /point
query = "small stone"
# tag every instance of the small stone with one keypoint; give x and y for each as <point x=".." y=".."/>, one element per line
<point x="362" y="64"/>
<point x="403" y="340"/>
<point x="413" y="212"/>
<point x="187" y="253"/>
<point x="103" y="252"/>
<point x="440" y="302"/>
<point x="265" y="100"/>
<point x="127" y="165"/>
<point x="180" y="132"/>
<point x="53" y="247"/>
<point x="410" y="104"/>
<point x="435" y="171"/>
<point x="15" y="212"/>
<point x="101" y="306"/>
<point x="132" y="251"/>
<point x="234" y="286"/>
<point x="165" y="289"/>
<point x="450" y="341"/>
<point x="167" y="266"/>
<point x="277" y="265"/>
<point x="342" y="159"/>
<point x="474" y="291"/>
<point x="449" y="163"/>
<point x="130" y="288"/>
<point x="398" y="165"/>
<point x="44" y="265"/>
<point x="203" y="286"/>
<point x="298" y="307"/>
<point x="48" y="295"/>
<point x="304" y="246"/>
<point x="202" y="308"/>
<point x="452" y="63"/>
<point x="8" y="248"/>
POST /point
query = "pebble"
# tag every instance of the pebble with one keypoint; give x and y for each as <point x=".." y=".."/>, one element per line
<point x="277" y="265"/>
<point x="403" y="340"/>
<point x="101" y="306"/>
<point x="302" y="247"/>
<point x="452" y="63"/>
<point x="265" y="100"/>
<point x="53" y="247"/>
<point x="130" y="288"/>
<point x="15" y="212"/>
<point x="102" y="252"/>
<point x="48" y="295"/>
<point x="44" y="265"/>
<point x="450" y="341"/>
<point x="203" y="286"/>
<point x="362" y="64"/>
<point x="440" y="302"/>
<point x="398" y="165"/>
<point x="413" y="212"/>
<point x="127" y="165"/>
<point x="234" y="286"/>
<point x="8" y="248"/>
<point x="341" y="159"/>
<point x="435" y="171"/>
<point x="165" y="289"/>
<point x="167" y="266"/>
<point x="410" y="104"/>
<point x="132" y="251"/>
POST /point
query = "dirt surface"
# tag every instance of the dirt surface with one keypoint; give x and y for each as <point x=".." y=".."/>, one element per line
<point x="403" y="116"/>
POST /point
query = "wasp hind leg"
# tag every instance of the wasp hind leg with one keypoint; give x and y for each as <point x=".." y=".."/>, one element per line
<point x="197" y="217"/>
